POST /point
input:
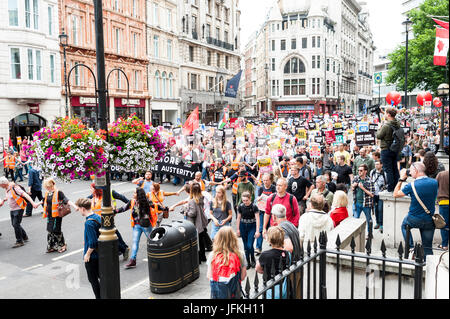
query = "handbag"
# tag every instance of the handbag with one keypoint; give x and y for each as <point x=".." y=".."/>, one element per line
<point x="63" y="209"/>
<point x="165" y="211"/>
<point x="438" y="220"/>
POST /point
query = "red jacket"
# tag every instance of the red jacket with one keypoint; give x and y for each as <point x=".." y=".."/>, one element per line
<point x="338" y="215"/>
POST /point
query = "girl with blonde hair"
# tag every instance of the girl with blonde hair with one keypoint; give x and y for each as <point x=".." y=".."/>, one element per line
<point x="220" y="211"/>
<point x="226" y="266"/>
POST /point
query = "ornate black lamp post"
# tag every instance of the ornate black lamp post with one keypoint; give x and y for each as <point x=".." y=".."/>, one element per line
<point x="63" y="37"/>
<point x="443" y="91"/>
<point x="407" y="23"/>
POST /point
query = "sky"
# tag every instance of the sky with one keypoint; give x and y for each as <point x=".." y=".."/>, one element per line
<point x="385" y="21"/>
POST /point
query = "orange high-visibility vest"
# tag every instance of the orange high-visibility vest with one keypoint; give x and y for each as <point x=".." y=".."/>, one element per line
<point x="97" y="206"/>
<point x="234" y="188"/>
<point x="54" y="204"/>
<point x="19" y="200"/>
<point x="153" y="215"/>
<point x="10" y="162"/>
<point x="154" y="198"/>
<point x="202" y="185"/>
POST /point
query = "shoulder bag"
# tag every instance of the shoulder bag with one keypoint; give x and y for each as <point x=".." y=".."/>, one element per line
<point x="63" y="209"/>
<point x="439" y="221"/>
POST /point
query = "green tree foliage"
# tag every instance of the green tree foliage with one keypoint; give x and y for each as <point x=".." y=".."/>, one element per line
<point x="422" y="73"/>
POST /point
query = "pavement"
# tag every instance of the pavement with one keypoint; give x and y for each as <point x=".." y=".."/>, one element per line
<point x="29" y="272"/>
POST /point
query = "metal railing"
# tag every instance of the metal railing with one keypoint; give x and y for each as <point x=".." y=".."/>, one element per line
<point x="290" y="282"/>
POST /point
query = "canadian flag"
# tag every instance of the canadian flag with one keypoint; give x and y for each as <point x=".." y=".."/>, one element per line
<point x="441" y="47"/>
<point x="192" y="123"/>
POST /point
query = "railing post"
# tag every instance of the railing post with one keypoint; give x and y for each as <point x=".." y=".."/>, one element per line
<point x="322" y="266"/>
<point x="418" y="271"/>
<point x="408" y="236"/>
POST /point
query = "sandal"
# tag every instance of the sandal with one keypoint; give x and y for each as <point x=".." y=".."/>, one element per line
<point x="51" y="250"/>
<point x="63" y="249"/>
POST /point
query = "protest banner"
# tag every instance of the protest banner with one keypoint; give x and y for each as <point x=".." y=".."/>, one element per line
<point x="365" y="138"/>
<point x="314" y="150"/>
<point x="330" y="137"/>
<point x="362" y="127"/>
<point x="174" y="165"/>
<point x="302" y="134"/>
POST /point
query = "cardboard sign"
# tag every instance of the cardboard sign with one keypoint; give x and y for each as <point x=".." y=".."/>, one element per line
<point x="229" y="132"/>
<point x="240" y="132"/>
<point x="330" y="137"/>
<point x="318" y="139"/>
<point x="373" y="127"/>
<point x="302" y="134"/>
<point x="363" y="127"/>
<point x="365" y="138"/>
<point x="312" y="126"/>
<point x="314" y="150"/>
<point x="421" y="131"/>
<point x="339" y="139"/>
<point x="264" y="161"/>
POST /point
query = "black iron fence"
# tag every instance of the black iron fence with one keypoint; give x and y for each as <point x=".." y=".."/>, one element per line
<point x="300" y="279"/>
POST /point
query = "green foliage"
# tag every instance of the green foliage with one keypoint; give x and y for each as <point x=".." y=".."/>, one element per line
<point x="422" y="73"/>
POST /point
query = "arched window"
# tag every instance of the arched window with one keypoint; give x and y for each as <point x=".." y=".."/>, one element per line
<point x="294" y="66"/>
<point x="170" y="85"/>
<point x="164" y="85"/>
<point x="157" y="85"/>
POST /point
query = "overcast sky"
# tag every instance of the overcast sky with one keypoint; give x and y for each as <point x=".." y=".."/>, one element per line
<point x="385" y="21"/>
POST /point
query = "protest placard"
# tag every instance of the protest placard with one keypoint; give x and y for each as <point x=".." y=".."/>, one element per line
<point x="365" y="138"/>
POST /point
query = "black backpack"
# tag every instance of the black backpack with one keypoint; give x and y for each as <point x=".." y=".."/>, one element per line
<point x="398" y="142"/>
<point x="291" y="200"/>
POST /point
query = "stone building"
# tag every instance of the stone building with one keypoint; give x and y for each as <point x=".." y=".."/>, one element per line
<point x="30" y="80"/>
<point x="208" y="48"/>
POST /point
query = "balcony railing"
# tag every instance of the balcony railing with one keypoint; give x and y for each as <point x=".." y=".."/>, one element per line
<point x="220" y="44"/>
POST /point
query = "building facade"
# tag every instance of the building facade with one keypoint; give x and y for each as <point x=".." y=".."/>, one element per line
<point x="307" y="58"/>
<point x="164" y="65"/>
<point x="125" y="58"/>
<point x="30" y="81"/>
<point x="208" y="48"/>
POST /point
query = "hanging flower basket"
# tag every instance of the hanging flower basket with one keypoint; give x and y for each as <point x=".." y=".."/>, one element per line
<point x="136" y="146"/>
<point x="68" y="150"/>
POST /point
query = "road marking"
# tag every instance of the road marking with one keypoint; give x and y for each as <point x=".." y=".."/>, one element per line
<point x="134" y="286"/>
<point x="2" y="278"/>
<point x="68" y="254"/>
<point x="32" y="267"/>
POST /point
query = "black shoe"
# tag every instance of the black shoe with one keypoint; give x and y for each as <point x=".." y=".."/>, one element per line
<point x="18" y="244"/>
<point x="27" y="215"/>
<point x="25" y="239"/>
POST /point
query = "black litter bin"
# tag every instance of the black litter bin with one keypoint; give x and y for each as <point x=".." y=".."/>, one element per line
<point x="172" y="263"/>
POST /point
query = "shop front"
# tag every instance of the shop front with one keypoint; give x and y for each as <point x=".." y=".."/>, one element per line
<point x="85" y="108"/>
<point x="125" y="107"/>
<point x="294" y="110"/>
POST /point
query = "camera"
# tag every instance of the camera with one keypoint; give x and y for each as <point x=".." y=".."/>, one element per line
<point x="408" y="173"/>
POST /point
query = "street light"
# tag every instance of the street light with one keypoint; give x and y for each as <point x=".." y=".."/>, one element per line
<point x="63" y="39"/>
<point x="407" y="23"/>
<point x="443" y="91"/>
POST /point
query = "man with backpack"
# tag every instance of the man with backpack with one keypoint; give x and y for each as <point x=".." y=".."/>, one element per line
<point x="284" y="198"/>
<point x="392" y="140"/>
<point x="379" y="179"/>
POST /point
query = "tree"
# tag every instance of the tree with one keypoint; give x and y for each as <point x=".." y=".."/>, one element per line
<point x="422" y="73"/>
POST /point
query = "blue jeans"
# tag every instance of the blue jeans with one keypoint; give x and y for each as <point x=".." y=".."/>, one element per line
<point x="367" y="211"/>
<point x="259" y="240"/>
<point x="137" y="232"/>
<point x="215" y="229"/>
<point x="389" y="161"/>
<point x="204" y="174"/>
<point x="248" y="237"/>
<point x="426" y="232"/>
<point x="443" y="211"/>
<point x="378" y="210"/>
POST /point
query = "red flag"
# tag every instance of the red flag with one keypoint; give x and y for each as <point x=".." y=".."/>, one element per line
<point x="443" y="24"/>
<point x="441" y="47"/>
<point x="192" y="123"/>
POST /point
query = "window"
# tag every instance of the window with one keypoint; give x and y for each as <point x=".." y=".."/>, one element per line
<point x="208" y="58"/>
<point x="218" y="11"/>
<point x="157" y="85"/>
<point x="273" y="64"/>
<point x="318" y="42"/>
<point x="116" y="5"/>
<point x="328" y="87"/>
<point x="226" y="62"/>
<point x="169" y="50"/>
<point x="75" y="23"/>
<point x="218" y="34"/>
<point x="170" y="85"/>
<point x="318" y="86"/>
<point x="193" y="81"/>
<point x="294" y="66"/>
<point x="293" y="44"/>
<point x="27" y="14"/>
<point x="52" y="68"/>
<point x="218" y="60"/>
<point x="36" y="14"/>
<point x="15" y="64"/>
<point x="304" y="43"/>
<point x="135" y="44"/>
<point x="318" y="61"/>
<point x="50" y="20"/>
<point x="119" y="80"/>
<point x="38" y="65"/>
<point x="117" y="40"/>
<point x="30" y="64"/>
<point x="273" y="45"/>
<point x="313" y="86"/>
<point x="169" y="19"/>
<point x="313" y="42"/>
<point x="191" y="53"/>
<point x="209" y="7"/>
<point x="225" y="36"/>
<point x="328" y="64"/>
<point x="135" y="8"/>
<point x="155" y="14"/>
<point x="77" y="74"/>
<point x="283" y="45"/>
<point x="208" y="31"/>
<point x="334" y="66"/>
<point x="164" y="85"/>
<point x="210" y="83"/>
<point x="156" y="46"/>
<point x="313" y="64"/>
<point x="13" y="11"/>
